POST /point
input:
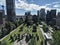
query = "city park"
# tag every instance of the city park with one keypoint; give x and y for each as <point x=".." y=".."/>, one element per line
<point x="36" y="35"/>
<point x="16" y="31"/>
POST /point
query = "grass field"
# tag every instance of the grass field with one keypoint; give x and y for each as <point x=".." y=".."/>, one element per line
<point x="41" y="37"/>
<point x="6" y="40"/>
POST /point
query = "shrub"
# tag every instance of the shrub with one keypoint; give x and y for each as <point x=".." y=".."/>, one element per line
<point x="34" y="29"/>
<point x="45" y="28"/>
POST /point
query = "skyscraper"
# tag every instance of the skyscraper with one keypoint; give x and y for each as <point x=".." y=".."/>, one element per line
<point x="53" y="13"/>
<point x="38" y="14"/>
<point x="42" y="14"/>
<point x="48" y="17"/>
<point x="10" y="6"/>
<point x="51" y="17"/>
<point x="1" y="16"/>
<point x="58" y="20"/>
<point x="28" y="17"/>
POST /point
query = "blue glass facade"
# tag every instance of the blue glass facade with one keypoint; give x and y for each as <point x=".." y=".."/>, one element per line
<point x="10" y="6"/>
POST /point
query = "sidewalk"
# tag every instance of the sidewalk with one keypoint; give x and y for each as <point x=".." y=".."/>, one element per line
<point x="21" y="42"/>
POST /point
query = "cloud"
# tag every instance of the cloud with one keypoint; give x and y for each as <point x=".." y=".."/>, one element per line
<point x="56" y="3"/>
<point x="2" y="2"/>
<point x="23" y="0"/>
<point x="56" y="6"/>
<point x="47" y="4"/>
<point x="52" y="4"/>
<point x="22" y="4"/>
<point x="26" y="6"/>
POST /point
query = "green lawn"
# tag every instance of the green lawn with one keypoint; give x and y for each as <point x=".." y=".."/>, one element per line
<point x="41" y="38"/>
<point x="6" y="40"/>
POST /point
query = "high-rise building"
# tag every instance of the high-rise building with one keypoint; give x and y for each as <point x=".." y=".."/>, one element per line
<point x="38" y="14"/>
<point x="59" y="14"/>
<point x="35" y="19"/>
<point x="48" y="17"/>
<point x="58" y="20"/>
<point x="28" y="17"/>
<point x="51" y="17"/>
<point x="10" y="6"/>
<point x="53" y="13"/>
<point x="1" y="16"/>
<point x="42" y="14"/>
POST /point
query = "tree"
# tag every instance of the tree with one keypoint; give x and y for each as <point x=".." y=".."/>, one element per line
<point x="21" y="29"/>
<point x="56" y="37"/>
<point x="32" y="42"/>
<point x="34" y="29"/>
<point x="45" y="28"/>
<point x="20" y="21"/>
<point x="37" y="37"/>
<point x="4" y="43"/>
<point x="11" y="38"/>
<point x="8" y="27"/>
<point x="18" y="37"/>
<point x="16" y="23"/>
<point x="2" y="32"/>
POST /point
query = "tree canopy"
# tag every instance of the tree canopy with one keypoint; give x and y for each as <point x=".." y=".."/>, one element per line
<point x="56" y="37"/>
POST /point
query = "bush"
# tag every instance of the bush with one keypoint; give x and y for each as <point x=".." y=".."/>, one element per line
<point x="21" y="37"/>
<point x="56" y="37"/>
<point x="18" y="37"/>
<point x="37" y="37"/>
<point x="21" y="29"/>
<point x="28" y="37"/>
<point x="45" y="28"/>
<point x="11" y="38"/>
<point x="41" y="42"/>
<point x="4" y="43"/>
<point x="32" y="42"/>
<point x="34" y="29"/>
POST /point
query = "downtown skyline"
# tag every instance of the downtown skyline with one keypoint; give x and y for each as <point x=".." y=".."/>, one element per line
<point x="21" y="6"/>
<point x="29" y="22"/>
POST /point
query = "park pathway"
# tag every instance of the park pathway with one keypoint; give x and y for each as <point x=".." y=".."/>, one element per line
<point x="21" y="42"/>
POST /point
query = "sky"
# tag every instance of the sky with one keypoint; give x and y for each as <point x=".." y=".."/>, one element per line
<point x="21" y="6"/>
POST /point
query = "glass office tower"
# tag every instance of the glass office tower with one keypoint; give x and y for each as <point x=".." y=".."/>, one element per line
<point x="10" y="6"/>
